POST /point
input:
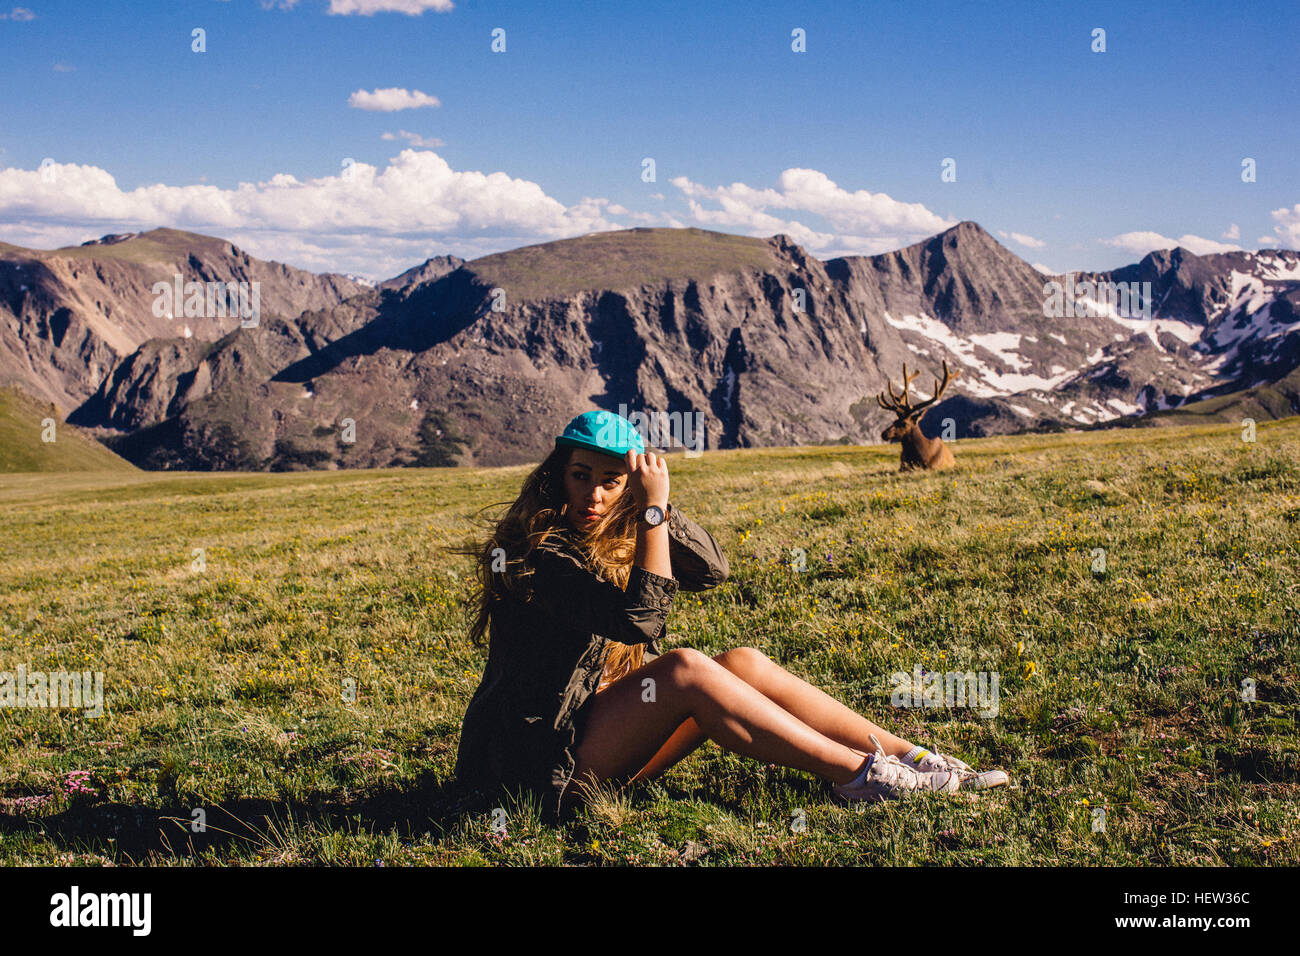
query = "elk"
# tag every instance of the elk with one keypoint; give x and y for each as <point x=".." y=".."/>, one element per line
<point x="917" y="450"/>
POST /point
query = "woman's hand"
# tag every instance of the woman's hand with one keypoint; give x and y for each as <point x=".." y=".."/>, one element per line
<point x="647" y="479"/>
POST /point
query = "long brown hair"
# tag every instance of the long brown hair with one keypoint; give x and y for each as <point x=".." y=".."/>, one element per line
<point x="536" y="515"/>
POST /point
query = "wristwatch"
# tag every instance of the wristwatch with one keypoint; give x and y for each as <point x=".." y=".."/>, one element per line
<point x="653" y="516"/>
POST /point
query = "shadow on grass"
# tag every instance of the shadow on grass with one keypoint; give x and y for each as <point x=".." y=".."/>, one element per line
<point x="428" y="808"/>
<point x="426" y="811"/>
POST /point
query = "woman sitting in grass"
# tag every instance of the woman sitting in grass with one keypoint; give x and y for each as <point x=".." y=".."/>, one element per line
<point x="575" y="587"/>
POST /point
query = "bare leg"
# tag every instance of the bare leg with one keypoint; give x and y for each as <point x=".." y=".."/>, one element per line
<point x="684" y="741"/>
<point x="626" y="729"/>
<point x="811" y="705"/>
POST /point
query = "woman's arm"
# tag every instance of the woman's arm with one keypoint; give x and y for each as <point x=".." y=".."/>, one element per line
<point x="566" y="591"/>
<point x="698" y="562"/>
<point x="677" y="548"/>
<point x="647" y="481"/>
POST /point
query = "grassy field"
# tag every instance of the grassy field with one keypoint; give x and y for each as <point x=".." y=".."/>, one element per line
<point x="226" y="669"/>
<point x="34" y="437"/>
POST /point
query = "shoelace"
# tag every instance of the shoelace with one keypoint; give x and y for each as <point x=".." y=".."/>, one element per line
<point x="889" y="770"/>
<point x="893" y="771"/>
<point x="969" y="777"/>
<point x="956" y="766"/>
<point x="937" y="762"/>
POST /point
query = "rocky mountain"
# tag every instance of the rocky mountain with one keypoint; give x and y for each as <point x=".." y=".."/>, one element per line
<point x="480" y="364"/>
<point x="481" y="361"/>
<point x="1219" y="323"/>
<point x="69" y="316"/>
<point x="427" y="271"/>
<point x="1260" y="403"/>
<point x="1214" y="321"/>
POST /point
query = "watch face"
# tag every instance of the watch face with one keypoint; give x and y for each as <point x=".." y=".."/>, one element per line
<point x="654" y="516"/>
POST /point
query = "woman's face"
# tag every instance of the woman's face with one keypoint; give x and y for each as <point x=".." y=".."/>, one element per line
<point x="592" y="483"/>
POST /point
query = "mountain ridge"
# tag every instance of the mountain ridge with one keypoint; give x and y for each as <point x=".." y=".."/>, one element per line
<point x="768" y="344"/>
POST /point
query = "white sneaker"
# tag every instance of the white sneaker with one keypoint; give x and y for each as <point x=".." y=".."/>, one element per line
<point x="970" y="779"/>
<point x="889" y="777"/>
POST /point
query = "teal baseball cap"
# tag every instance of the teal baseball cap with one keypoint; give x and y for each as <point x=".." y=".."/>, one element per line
<point x="604" y="432"/>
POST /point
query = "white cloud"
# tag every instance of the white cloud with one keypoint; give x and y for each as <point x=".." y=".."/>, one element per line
<point x="1232" y="233"/>
<point x="860" y="219"/>
<point x="379" y="220"/>
<point x="1143" y="242"/>
<point x="1021" y="238"/>
<point x="1267" y="241"/>
<point x="367" y="8"/>
<point x="849" y="245"/>
<point x="354" y="252"/>
<point x="44" y="235"/>
<point x="415" y="198"/>
<point x="418" y="190"/>
<point x="415" y="139"/>
<point x="1288" y="226"/>
<point x="19" y="14"/>
<point x="391" y="99"/>
<point x="63" y="68"/>
<point x="758" y="223"/>
<point x="1047" y="270"/>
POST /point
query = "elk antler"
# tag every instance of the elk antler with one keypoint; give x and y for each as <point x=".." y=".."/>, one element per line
<point x="939" y="388"/>
<point x="901" y="406"/>
<point x="898" y="404"/>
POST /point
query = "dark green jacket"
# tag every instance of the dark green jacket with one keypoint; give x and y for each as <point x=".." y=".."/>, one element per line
<point x="546" y="656"/>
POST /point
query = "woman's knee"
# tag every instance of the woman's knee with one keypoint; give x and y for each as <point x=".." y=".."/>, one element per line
<point x="742" y="661"/>
<point x="687" y="667"/>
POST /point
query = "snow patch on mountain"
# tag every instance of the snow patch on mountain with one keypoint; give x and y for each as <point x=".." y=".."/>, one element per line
<point x="729" y="391"/>
<point x="1004" y="346"/>
<point x="1184" y="331"/>
<point x="986" y="382"/>
<point x="1123" y="407"/>
<point x="1281" y="268"/>
<point x="1247" y="292"/>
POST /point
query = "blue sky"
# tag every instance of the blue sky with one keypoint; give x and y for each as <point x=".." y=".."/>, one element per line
<point x="1074" y="159"/>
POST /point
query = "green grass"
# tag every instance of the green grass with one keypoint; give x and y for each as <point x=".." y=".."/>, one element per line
<point x="1278" y="399"/>
<point x="23" y="447"/>
<point x="1118" y="690"/>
